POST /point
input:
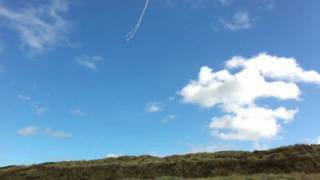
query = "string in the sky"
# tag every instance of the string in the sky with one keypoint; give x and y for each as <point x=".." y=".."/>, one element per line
<point x="134" y="30"/>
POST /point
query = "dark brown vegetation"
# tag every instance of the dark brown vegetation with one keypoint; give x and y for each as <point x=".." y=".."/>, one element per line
<point x="285" y="160"/>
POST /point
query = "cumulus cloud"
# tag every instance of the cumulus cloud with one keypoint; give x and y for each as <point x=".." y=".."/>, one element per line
<point x="261" y="76"/>
<point x="276" y="68"/>
<point x="154" y="107"/>
<point x="39" y="27"/>
<point x="241" y="88"/>
<point x="57" y="134"/>
<point x="27" y="131"/>
<point x="251" y="123"/>
<point x="89" y="62"/>
<point x="240" y="20"/>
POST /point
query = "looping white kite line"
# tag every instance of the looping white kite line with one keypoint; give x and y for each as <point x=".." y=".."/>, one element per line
<point x="134" y="30"/>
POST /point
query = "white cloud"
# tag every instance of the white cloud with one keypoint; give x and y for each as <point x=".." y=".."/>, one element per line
<point x="154" y="107"/>
<point x="259" y="147"/>
<point x="171" y="98"/>
<point x="3" y="69"/>
<point x="33" y="130"/>
<point x="262" y="76"/>
<point x="27" y="131"/>
<point x="89" y="61"/>
<point x="275" y="67"/>
<point x="250" y="123"/>
<point x="232" y="90"/>
<point x="225" y="2"/>
<point x="315" y="140"/>
<point x="112" y="155"/>
<point x="39" y="27"/>
<point x="78" y="112"/>
<point x="24" y="97"/>
<point x="208" y="149"/>
<point x="57" y="134"/>
<point x="269" y="5"/>
<point x="169" y="118"/>
<point x="40" y="110"/>
<point x="240" y="20"/>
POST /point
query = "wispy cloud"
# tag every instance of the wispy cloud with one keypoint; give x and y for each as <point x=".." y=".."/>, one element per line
<point x="154" y="107"/>
<point x="269" y="5"/>
<point x="39" y="27"/>
<point x="169" y="118"/>
<point x="3" y="69"/>
<point x="78" y="112"/>
<point x="171" y="98"/>
<point x="89" y="62"/>
<point x="28" y="131"/>
<point x="193" y="4"/>
<point x="34" y="130"/>
<point x="24" y="97"/>
<point x="225" y="2"/>
<point x="57" y="134"/>
<point x="166" y="3"/>
<point x="2" y="46"/>
<point x="240" y="20"/>
<point x="40" y="110"/>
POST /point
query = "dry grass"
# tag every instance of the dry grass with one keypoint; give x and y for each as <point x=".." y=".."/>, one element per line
<point x="292" y="176"/>
<point x="280" y="163"/>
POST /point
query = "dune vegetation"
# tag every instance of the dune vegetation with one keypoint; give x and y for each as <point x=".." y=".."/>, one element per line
<point x="291" y="162"/>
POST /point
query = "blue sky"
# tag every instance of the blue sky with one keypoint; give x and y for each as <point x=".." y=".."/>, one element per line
<point x="73" y="87"/>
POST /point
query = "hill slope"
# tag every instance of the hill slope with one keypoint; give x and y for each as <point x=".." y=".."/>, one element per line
<point x="291" y="159"/>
